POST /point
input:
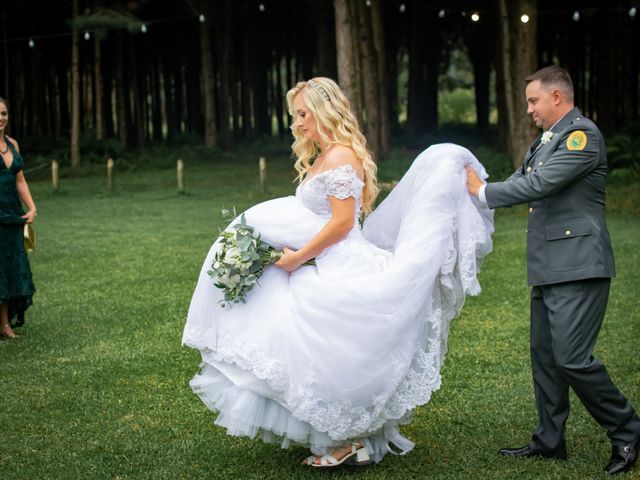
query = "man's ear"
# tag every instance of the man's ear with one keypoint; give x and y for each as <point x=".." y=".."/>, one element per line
<point x="557" y="96"/>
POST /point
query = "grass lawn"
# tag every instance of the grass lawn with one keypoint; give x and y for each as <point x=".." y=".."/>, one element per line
<point x="96" y="387"/>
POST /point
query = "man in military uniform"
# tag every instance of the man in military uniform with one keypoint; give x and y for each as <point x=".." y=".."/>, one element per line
<point x="570" y="266"/>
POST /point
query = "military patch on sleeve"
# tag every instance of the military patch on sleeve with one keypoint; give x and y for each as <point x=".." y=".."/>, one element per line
<point x="577" y="140"/>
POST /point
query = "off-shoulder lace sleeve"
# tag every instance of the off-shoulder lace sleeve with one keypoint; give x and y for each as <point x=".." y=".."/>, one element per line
<point x="342" y="182"/>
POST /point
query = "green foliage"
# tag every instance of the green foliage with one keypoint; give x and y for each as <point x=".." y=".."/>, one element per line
<point x="457" y="106"/>
<point x="97" y="386"/>
<point x="623" y="149"/>
<point x="102" y="19"/>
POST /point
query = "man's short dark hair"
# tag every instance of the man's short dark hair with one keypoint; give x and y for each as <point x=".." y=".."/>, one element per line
<point x="553" y="76"/>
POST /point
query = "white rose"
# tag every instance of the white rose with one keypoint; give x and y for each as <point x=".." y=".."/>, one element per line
<point x="231" y="254"/>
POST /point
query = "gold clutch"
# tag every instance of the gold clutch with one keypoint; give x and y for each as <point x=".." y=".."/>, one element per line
<point x="29" y="238"/>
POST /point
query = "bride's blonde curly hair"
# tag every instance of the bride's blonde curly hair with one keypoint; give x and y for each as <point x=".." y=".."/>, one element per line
<point x="336" y="124"/>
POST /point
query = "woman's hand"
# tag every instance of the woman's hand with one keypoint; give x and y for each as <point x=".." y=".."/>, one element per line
<point x="30" y="216"/>
<point x="289" y="261"/>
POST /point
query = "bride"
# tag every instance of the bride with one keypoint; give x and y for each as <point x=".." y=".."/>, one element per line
<point x="337" y="355"/>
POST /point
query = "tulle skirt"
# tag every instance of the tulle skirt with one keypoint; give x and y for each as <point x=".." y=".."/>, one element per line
<point x="346" y="349"/>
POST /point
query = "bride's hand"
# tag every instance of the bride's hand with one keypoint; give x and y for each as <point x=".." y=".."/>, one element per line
<point x="289" y="261"/>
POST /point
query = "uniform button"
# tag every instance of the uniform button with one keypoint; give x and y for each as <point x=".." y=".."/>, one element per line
<point x="530" y="210"/>
<point x="540" y="164"/>
<point x="528" y="169"/>
<point x="568" y="232"/>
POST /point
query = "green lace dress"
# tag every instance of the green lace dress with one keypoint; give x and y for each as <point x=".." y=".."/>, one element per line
<point x="16" y="283"/>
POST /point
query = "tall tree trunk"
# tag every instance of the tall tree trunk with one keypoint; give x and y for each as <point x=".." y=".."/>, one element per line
<point x="384" y="85"/>
<point x="246" y="87"/>
<point x="56" y="101"/>
<point x="5" y="49"/>
<point x="20" y="94"/>
<point x="99" y="93"/>
<point x="136" y="90"/>
<point x="279" y="96"/>
<point x="517" y="42"/>
<point x="416" y="102"/>
<point x="224" y="44"/>
<point x="325" y="42"/>
<point x="122" y="93"/>
<point x="370" y="77"/>
<point x="37" y="102"/>
<point x="206" y="60"/>
<point x="347" y="57"/>
<point x="156" y="99"/>
<point x="236" y="133"/>
<point x="481" y="59"/>
<point x="606" y="72"/>
<point x="108" y="89"/>
<point x="75" y="94"/>
<point x="635" y="76"/>
<point x="169" y="96"/>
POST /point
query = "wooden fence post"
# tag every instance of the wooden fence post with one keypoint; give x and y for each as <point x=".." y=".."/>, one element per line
<point x="110" y="179"/>
<point x="263" y="174"/>
<point x="55" y="181"/>
<point x="180" y="175"/>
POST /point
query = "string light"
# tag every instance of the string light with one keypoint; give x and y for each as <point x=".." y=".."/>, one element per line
<point x="368" y="3"/>
<point x="442" y="13"/>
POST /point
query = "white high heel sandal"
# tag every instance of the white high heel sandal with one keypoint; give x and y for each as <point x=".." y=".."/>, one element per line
<point x="358" y="456"/>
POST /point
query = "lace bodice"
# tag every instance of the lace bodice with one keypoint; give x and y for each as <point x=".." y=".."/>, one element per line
<point x="340" y="182"/>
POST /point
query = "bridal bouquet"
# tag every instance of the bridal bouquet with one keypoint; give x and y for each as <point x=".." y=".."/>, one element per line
<point x="240" y="261"/>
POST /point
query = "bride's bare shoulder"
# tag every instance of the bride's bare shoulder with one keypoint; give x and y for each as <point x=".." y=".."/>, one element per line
<point x="340" y="155"/>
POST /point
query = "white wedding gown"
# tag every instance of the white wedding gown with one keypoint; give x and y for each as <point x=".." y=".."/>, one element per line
<point x="348" y="348"/>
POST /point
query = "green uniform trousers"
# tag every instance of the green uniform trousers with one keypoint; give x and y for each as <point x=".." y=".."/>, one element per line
<point x="565" y="321"/>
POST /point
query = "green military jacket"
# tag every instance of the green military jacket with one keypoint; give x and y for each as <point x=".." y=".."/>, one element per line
<point x="563" y="181"/>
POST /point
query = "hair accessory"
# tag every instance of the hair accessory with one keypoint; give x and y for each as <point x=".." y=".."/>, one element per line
<point x="319" y="88"/>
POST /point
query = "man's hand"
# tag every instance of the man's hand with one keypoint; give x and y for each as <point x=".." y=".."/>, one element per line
<point x="473" y="181"/>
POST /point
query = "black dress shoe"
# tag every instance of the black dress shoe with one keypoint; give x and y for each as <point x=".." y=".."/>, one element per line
<point x="529" y="451"/>
<point x="623" y="458"/>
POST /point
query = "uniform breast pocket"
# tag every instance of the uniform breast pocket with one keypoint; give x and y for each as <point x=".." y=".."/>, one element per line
<point x="569" y="245"/>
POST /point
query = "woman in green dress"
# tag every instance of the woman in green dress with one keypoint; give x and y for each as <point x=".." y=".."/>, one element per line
<point x="16" y="284"/>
